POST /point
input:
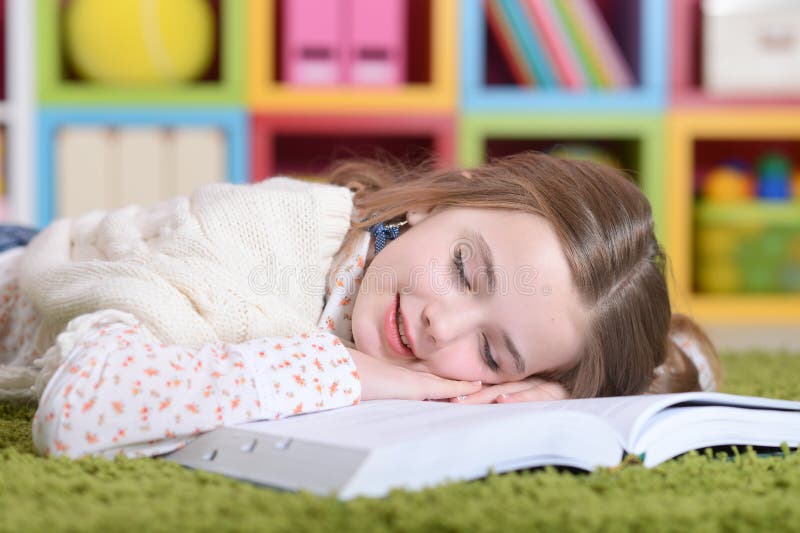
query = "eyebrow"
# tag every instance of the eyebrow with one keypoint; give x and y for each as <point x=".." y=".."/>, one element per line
<point x="488" y="259"/>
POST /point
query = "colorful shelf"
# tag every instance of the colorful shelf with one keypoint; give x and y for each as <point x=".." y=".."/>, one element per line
<point x="686" y="130"/>
<point x="636" y="140"/>
<point x="298" y="144"/>
<point x="433" y="88"/>
<point x="222" y="84"/>
<point x="231" y="122"/>
<point x="663" y="129"/>
<point x="645" y="46"/>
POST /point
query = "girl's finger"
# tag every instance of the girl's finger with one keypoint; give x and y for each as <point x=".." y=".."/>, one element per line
<point x="435" y="388"/>
<point x="543" y="392"/>
<point x="489" y="393"/>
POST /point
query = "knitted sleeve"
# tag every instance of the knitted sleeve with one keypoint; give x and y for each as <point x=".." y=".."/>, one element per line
<point x="117" y="392"/>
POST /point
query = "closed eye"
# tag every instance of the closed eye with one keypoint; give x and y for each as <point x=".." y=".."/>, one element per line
<point x="485" y="349"/>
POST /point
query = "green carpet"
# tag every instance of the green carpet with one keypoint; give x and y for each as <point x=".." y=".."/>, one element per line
<point x="695" y="492"/>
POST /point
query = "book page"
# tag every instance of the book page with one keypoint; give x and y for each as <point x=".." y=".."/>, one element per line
<point x="677" y="430"/>
<point x="628" y="415"/>
<point x="375" y="424"/>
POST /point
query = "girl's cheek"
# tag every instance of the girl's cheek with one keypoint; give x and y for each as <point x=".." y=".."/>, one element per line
<point x="458" y="366"/>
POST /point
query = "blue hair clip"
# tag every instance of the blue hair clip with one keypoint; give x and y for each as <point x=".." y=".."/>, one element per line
<point x="384" y="233"/>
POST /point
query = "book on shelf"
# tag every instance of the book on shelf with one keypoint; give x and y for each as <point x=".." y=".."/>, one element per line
<point x="557" y="43"/>
<point x="603" y="47"/>
<point x="370" y="448"/>
<point x="533" y="51"/>
<point x="564" y="58"/>
<point x="577" y="36"/>
<point x="500" y="28"/>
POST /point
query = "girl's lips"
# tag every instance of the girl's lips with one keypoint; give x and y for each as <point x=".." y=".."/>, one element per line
<point x="407" y="325"/>
<point x="391" y="332"/>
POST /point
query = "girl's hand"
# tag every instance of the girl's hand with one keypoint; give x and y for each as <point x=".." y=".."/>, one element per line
<point x="382" y="380"/>
<point x="532" y="389"/>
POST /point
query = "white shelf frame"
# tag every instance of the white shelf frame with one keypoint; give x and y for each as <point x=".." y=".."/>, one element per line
<point x="17" y="112"/>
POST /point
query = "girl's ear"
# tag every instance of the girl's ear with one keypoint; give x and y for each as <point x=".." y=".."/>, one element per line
<point x="416" y="216"/>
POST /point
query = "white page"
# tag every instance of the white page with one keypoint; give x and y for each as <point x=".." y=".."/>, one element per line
<point x="413" y="444"/>
<point x="374" y="424"/>
<point x="680" y="429"/>
<point x="629" y="414"/>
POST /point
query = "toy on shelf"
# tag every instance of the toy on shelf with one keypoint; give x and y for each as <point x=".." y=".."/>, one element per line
<point x="727" y="183"/>
<point x="752" y="247"/>
<point x="774" y="171"/>
<point x="732" y="181"/>
<point x="747" y="233"/>
<point x="139" y="42"/>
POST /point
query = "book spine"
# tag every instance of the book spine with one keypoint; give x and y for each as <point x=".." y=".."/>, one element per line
<point x="555" y="41"/>
<point x="509" y="47"/>
<point x="603" y="43"/>
<point x="534" y="53"/>
<point x="581" y="47"/>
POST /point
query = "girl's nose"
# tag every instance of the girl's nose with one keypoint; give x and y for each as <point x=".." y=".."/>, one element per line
<point x="444" y="323"/>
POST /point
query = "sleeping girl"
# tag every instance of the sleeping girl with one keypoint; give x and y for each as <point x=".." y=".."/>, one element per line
<point x="529" y="278"/>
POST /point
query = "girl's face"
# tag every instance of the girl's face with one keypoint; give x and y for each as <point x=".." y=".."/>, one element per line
<point x="515" y="312"/>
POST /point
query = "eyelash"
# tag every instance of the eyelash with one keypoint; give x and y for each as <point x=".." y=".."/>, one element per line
<point x="487" y="351"/>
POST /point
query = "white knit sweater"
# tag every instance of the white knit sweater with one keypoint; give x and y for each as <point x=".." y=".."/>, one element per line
<point x="230" y="262"/>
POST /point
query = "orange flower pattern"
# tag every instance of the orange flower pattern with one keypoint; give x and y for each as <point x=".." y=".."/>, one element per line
<point x="151" y="405"/>
<point x="118" y="392"/>
<point x="18" y="319"/>
<point x="343" y="285"/>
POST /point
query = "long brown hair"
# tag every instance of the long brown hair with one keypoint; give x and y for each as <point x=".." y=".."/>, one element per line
<point x="605" y="226"/>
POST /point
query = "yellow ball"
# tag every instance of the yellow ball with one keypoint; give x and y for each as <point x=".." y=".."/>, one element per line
<point x="139" y="41"/>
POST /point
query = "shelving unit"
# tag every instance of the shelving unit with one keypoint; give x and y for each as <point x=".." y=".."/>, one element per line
<point x="692" y="138"/>
<point x="221" y="84"/>
<point x="641" y="29"/>
<point x="432" y="68"/>
<point x="17" y="110"/>
<point x="298" y="144"/>
<point x="458" y="105"/>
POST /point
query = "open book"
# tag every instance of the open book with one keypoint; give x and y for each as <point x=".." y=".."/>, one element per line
<point x="375" y="446"/>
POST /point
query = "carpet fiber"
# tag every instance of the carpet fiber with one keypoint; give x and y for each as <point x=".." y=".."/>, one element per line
<point x="699" y="491"/>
